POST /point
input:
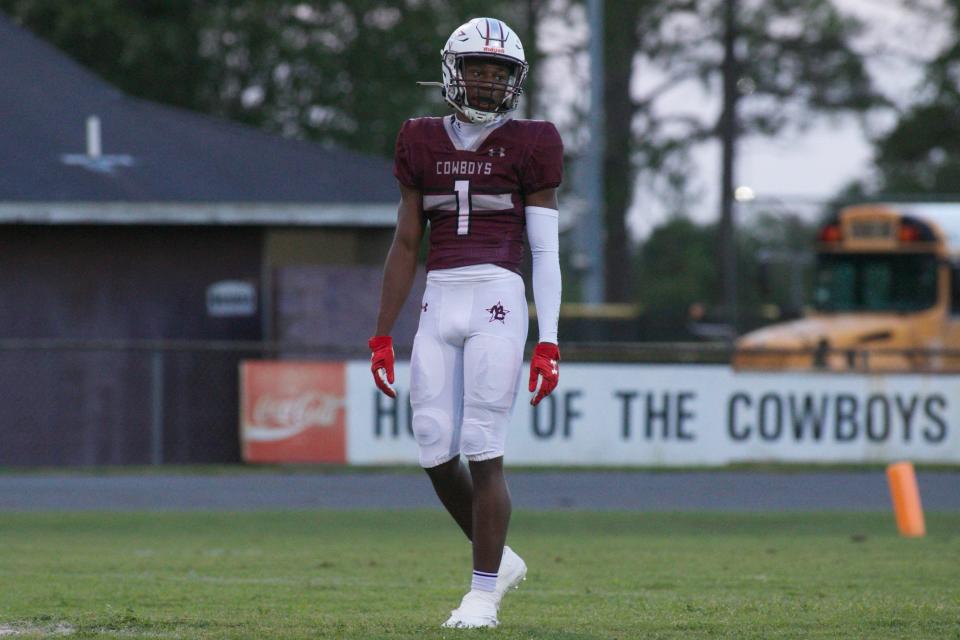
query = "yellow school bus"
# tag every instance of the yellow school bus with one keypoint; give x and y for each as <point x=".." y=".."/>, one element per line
<point x="886" y="296"/>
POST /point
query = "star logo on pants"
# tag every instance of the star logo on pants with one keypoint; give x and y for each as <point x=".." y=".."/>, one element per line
<point x="497" y="312"/>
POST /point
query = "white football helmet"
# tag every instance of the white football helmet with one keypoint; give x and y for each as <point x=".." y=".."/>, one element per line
<point x="491" y="39"/>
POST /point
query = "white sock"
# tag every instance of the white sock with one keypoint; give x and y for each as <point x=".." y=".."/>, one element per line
<point x="483" y="581"/>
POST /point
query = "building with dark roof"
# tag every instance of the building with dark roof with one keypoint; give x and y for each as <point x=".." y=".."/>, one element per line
<point x="121" y="219"/>
<point x="151" y="153"/>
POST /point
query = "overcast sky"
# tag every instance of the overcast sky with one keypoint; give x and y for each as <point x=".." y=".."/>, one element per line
<point x="819" y="162"/>
<point x="797" y="165"/>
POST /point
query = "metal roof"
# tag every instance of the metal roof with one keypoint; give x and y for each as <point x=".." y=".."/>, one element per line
<point x="160" y="164"/>
<point x="200" y="213"/>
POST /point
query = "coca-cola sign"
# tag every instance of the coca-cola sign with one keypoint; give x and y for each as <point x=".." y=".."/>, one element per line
<point x="292" y="411"/>
<point x="275" y="418"/>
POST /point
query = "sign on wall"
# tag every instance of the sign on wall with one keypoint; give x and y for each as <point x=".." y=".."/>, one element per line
<point x="621" y="414"/>
<point x="292" y="411"/>
<point x="231" y="299"/>
<point x="617" y="414"/>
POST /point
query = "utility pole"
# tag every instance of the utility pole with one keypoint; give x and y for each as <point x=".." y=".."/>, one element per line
<point x="532" y="53"/>
<point x="727" y="250"/>
<point x="592" y="222"/>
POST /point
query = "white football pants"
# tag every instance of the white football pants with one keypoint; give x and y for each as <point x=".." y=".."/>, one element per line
<point x="466" y="363"/>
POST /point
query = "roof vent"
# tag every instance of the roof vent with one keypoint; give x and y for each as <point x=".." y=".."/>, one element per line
<point x="93" y="136"/>
<point x="93" y="159"/>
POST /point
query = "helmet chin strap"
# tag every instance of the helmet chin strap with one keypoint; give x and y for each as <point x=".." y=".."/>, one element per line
<point x="478" y="117"/>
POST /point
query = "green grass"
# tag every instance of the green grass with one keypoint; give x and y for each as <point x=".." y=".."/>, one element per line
<point x="326" y="574"/>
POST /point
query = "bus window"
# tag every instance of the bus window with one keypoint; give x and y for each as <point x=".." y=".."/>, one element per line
<point x="876" y="285"/>
<point x="836" y="285"/>
<point x="875" y="282"/>
<point x="955" y="290"/>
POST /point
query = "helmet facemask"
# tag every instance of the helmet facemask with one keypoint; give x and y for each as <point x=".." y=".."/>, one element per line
<point x="482" y="101"/>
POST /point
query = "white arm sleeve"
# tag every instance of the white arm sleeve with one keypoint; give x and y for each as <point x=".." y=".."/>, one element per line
<point x="543" y="235"/>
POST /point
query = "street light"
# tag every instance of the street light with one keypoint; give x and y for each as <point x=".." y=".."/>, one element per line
<point x="744" y="193"/>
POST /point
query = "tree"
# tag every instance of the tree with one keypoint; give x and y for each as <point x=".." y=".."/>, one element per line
<point x="674" y="267"/>
<point x="150" y="49"/>
<point x="333" y="71"/>
<point x="921" y="153"/>
<point x="676" y="272"/>
<point x="793" y="59"/>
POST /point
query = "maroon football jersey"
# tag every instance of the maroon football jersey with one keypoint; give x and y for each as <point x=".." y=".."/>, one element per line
<point x="473" y="198"/>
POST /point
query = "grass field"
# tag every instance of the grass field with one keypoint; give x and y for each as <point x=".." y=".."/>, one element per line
<point x="397" y="574"/>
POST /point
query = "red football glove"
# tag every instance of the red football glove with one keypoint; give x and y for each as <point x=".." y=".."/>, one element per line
<point x="381" y="363"/>
<point x="544" y="365"/>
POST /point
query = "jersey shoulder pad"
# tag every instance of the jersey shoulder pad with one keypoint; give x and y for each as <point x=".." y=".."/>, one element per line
<point x="543" y="159"/>
<point x="420" y="129"/>
<point x="539" y="132"/>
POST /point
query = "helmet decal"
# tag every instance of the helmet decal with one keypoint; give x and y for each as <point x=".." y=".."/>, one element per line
<point x="492" y="40"/>
<point x="492" y="30"/>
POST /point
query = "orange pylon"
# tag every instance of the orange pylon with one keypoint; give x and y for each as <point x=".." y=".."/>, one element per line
<point x="906" y="499"/>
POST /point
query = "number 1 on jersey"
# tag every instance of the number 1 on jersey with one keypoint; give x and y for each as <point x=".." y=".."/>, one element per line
<point x="462" y="187"/>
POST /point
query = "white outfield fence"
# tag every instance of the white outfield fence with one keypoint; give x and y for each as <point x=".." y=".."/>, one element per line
<point x="628" y="414"/>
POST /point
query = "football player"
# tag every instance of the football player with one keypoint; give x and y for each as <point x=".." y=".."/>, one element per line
<point x="481" y="180"/>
